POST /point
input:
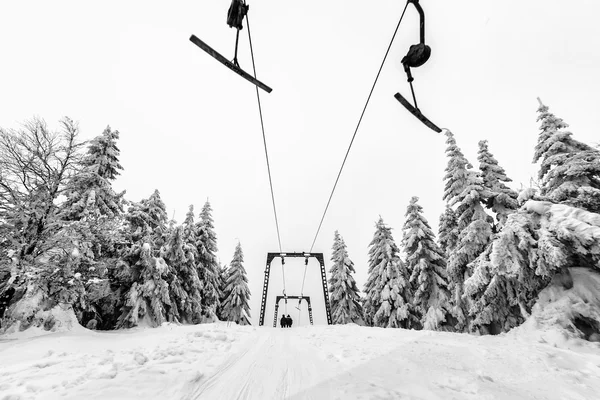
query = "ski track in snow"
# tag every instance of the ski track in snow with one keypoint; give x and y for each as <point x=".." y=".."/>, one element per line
<point x="214" y="361"/>
<point x="278" y="365"/>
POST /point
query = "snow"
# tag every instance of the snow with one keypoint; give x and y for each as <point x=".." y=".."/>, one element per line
<point x="552" y="316"/>
<point x="221" y="361"/>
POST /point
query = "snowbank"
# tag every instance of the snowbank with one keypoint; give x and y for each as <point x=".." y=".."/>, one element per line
<point x="566" y="318"/>
<point x="60" y="318"/>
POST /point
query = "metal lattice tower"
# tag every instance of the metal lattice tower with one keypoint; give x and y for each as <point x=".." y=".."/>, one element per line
<point x="263" y="304"/>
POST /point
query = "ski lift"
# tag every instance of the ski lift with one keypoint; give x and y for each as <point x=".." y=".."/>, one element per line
<point x="417" y="55"/>
<point x="238" y="10"/>
<point x="301" y="292"/>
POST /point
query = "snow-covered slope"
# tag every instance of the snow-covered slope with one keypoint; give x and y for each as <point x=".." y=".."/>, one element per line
<point x="216" y="361"/>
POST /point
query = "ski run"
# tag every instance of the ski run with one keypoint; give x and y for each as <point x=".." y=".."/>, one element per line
<point x="221" y="361"/>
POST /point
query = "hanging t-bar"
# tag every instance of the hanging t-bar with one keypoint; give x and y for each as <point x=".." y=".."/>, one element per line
<point x="417" y="55"/>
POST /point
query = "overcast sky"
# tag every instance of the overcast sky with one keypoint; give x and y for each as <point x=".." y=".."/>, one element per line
<point x="190" y="128"/>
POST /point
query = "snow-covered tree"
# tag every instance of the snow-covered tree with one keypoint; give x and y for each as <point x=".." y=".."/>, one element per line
<point x="538" y="244"/>
<point x="426" y="262"/>
<point x="474" y="225"/>
<point x="90" y="192"/>
<point x="448" y="230"/>
<point x="148" y="221"/>
<point x="35" y="166"/>
<point x="142" y="272"/>
<point x="503" y="200"/>
<point x="148" y="297"/>
<point x="38" y="253"/>
<point x="208" y="265"/>
<point x="237" y="294"/>
<point x="180" y="254"/>
<point x="569" y="169"/>
<point x="344" y="296"/>
<point x="223" y="277"/>
<point x="458" y="174"/>
<point x="387" y="288"/>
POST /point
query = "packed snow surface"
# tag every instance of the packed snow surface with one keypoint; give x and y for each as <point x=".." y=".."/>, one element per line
<point x="217" y="361"/>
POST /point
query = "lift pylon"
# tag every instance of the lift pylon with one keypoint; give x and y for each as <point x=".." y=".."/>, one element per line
<point x="270" y="258"/>
<point x="279" y="298"/>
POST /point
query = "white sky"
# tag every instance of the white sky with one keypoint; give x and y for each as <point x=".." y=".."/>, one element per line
<point x="190" y="127"/>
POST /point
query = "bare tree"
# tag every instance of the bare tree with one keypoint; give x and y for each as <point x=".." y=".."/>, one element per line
<point x="35" y="165"/>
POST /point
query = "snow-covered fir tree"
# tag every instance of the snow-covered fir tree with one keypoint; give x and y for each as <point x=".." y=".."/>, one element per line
<point x="223" y="276"/>
<point x="425" y="260"/>
<point x="237" y="294"/>
<point x="448" y="230"/>
<point x="208" y="264"/>
<point x="180" y="253"/>
<point x="474" y="225"/>
<point x="147" y="301"/>
<point x="569" y="169"/>
<point x="387" y="289"/>
<point x="148" y="221"/>
<point x="458" y="174"/>
<point x="344" y="296"/>
<point x="537" y="246"/>
<point x="90" y="191"/>
<point x="142" y="272"/>
<point x="503" y="200"/>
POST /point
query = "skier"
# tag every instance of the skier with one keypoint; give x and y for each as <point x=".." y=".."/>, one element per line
<point x="235" y="15"/>
<point x="289" y="321"/>
<point x="283" y="321"/>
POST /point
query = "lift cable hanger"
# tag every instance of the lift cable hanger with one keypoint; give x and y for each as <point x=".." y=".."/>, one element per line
<point x="417" y="55"/>
<point x="235" y="17"/>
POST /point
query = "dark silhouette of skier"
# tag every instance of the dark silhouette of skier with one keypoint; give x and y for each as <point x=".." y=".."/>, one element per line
<point x="289" y="321"/>
<point x="283" y="321"/>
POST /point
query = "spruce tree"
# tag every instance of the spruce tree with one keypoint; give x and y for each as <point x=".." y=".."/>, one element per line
<point x="538" y="245"/>
<point x="180" y="254"/>
<point x="426" y="261"/>
<point x="569" y="169"/>
<point x="448" y="230"/>
<point x="457" y="172"/>
<point x="223" y="276"/>
<point x="143" y="274"/>
<point x="237" y="294"/>
<point x="90" y="192"/>
<point x="208" y="266"/>
<point x="344" y="295"/>
<point x="387" y="287"/>
<point x="503" y="200"/>
<point x="474" y="225"/>
<point x="148" y="221"/>
<point x="147" y="298"/>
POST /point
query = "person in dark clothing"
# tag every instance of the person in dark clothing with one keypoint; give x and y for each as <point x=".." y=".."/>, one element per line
<point x="283" y="321"/>
<point x="289" y="321"/>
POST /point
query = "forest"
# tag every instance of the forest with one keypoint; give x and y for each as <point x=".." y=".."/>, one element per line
<point x="69" y="242"/>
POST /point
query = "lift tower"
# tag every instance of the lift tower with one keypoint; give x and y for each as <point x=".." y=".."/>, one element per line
<point x="270" y="258"/>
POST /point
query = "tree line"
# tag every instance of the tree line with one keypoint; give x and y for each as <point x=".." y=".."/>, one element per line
<point x="67" y="239"/>
<point x="496" y="249"/>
